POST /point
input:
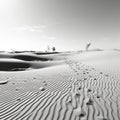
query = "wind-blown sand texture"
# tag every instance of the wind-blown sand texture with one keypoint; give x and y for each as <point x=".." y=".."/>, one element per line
<point x="68" y="86"/>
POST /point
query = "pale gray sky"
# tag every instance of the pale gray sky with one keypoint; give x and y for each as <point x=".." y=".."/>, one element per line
<point x="66" y="24"/>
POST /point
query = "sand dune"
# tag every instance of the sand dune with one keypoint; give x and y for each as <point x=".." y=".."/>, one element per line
<point x="22" y="66"/>
<point x="22" y="62"/>
<point x="79" y="87"/>
<point x="25" y="56"/>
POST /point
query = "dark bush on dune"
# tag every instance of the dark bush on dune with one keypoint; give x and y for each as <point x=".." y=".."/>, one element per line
<point x="53" y="49"/>
<point x="30" y="58"/>
<point x="13" y="66"/>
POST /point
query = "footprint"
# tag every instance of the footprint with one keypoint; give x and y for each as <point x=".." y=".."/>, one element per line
<point x="95" y="79"/>
<point x="98" y="96"/>
<point x="77" y="94"/>
<point x="18" y="99"/>
<point x="45" y="84"/>
<point x="79" y="112"/>
<point x="16" y="89"/>
<point x="69" y="101"/>
<point x="87" y="72"/>
<point x="89" y="102"/>
<point x="89" y="90"/>
<point x="79" y="88"/>
<point x="107" y="75"/>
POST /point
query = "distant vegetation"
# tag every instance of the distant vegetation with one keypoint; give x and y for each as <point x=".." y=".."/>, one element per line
<point x="52" y="49"/>
<point x="87" y="46"/>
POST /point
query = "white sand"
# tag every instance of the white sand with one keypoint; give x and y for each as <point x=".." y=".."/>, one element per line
<point x="85" y="87"/>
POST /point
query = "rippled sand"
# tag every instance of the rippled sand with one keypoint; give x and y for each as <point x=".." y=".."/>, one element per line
<point x="70" y="86"/>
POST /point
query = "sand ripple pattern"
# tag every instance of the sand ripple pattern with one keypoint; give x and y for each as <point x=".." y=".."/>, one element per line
<point x="82" y="94"/>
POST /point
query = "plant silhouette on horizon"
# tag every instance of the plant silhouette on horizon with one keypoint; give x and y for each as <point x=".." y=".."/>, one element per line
<point x="53" y="49"/>
<point x="87" y="46"/>
<point x="48" y="48"/>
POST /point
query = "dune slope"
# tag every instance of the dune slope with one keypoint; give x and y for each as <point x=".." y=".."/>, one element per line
<point x="76" y="90"/>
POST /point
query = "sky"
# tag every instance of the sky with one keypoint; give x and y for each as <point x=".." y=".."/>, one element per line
<point x="65" y="24"/>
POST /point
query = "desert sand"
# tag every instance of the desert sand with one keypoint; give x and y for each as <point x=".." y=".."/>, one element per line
<point x="61" y="86"/>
